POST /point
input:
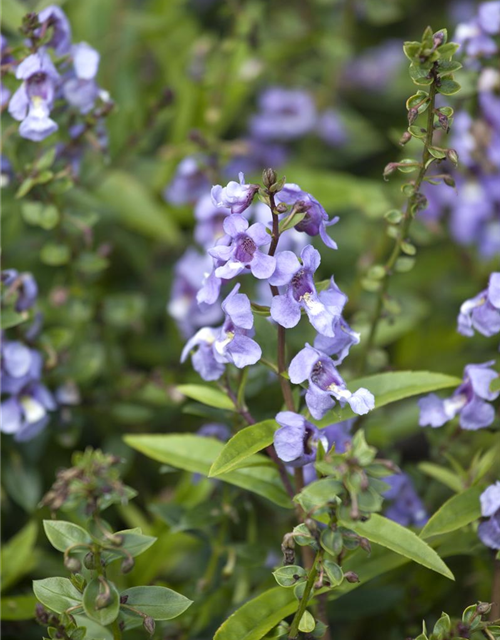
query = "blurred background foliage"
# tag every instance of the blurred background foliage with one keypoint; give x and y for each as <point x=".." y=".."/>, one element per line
<point x="186" y="77"/>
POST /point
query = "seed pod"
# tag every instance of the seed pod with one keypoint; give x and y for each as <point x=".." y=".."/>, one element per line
<point x="149" y="625"/>
<point x="89" y="561"/>
<point x="72" y="564"/>
<point x="350" y="576"/>
<point x="127" y="565"/>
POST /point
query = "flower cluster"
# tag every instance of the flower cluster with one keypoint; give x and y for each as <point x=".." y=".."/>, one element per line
<point x="474" y="209"/>
<point x="489" y="529"/>
<point x="67" y="74"/>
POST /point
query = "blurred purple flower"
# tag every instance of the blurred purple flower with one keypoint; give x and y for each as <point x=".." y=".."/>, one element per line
<point x="80" y="88"/>
<point x="284" y="114"/>
<point x="468" y="401"/>
<point x="61" y="29"/>
<point x="236" y="196"/>
<point x="406" y="508"/>
<point x="482" y="313"/>
<point x="189" y="183"/>
<point x="331" y="129"/>
<point x="326" y="384"/>
<point x="25" y="287"/>
<point x="209" y="221"/>
<point x="489" y="530"/>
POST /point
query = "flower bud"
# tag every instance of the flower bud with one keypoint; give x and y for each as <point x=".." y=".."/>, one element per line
<point x="449" y="181"/>
<point x="483" y="608"/>
<point x="350" y="576"/>
<point x="452" y="156"/>
<point x="412" y="115"/>
<point x="127" y="565"/>
<point x="390" y="168"/>
<point x="72" y="564"/>
<point x="269" y="177"/>
<point x="438" y="39"/>
<point x="149" y="625"/>
<point x="444" y="122"/>
<point x="405" y="138"/>
<point x="89" y="561"/>
<point x="281" y="207"/>
<point x="365" y="545"/>
<point x="102" y="600"/>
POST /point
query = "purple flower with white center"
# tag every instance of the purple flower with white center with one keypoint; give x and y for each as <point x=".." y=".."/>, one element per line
<point x="482" y="313"/>
<point x="322" y="309"/>
<point x="406" y="508"/>
<point x="285" y="114"/>
<point x="209" y="221"/>
<point x="55" y="18"/>
<point x="337" y="347"/>
<point x="189" y="273"/>
<point x="326" y="386"/>
<point x="189" y="183"/>
<point x="243" y="251"/>
<point x="236" y="196"/>
<point x="80" y="89"/>
<point x="203" y="359"/>
<point x="469" y="401"/>
<point x="215" y="430"/>
<point x="316" y="219"/>
<point x="26" y="414"/>
<point x="296" y="441"/>
<point x="234" y="342"/>
<point x="489" y="530"/>
<point x="32" y="102"/>
<point x="24" y="285"/>
<point x="331" y="128"/>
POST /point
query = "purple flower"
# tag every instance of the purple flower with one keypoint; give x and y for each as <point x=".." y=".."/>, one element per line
<point x="203" y="359"/>
<point x="242" y="252"/>
<point x="24" y="285"/>
<point x="189" y="273"/>
<point x="331" y="128"/>
<point x="285" y="114"/>
<point x="210" y="286"/>
<point x="337" y="435"/>
<point x="337" y="347"/>
<point x="215" y="430"/>
<point x="297" y="440"/>
<point x="234" y="343"/>
<point x="374" y="69"/>
<point x="80" y="89"/>
<point x="61" y="29"/>
<point x="189" y="183"/>
<point x="326" y="384"/>
<point x="489" y="530"/>
<point x="406" y="508"/>
<point x="482" y="313"/>
<point x="488" y="16"/>
<point x="468" y="401"/>
<point x="316" y="219"/>
<point x="474" y="40"/>
<point x="32" y="102"/>
<point x="209" y="221"/>
<point x="255" y="155"/>
<point x="322" y="308"/>
<point x="236" y="196"/>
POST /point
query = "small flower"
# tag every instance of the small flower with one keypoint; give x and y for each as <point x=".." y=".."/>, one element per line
<point x="242" y="251"/>
<point x="326" y="384"/>
<point x="468" y="401"/>
<point x="55" y="18"/>
<point x="189" y="183"/>
<point x="337" y="347"/>
<point x="482" y="312"/>
<point x="489" y="530"/>
<point x="215" y="430"/>
<point x="322" y="309"/>
<point x="331" y="128"/>
<point x="406" y="508"/>
<point x="209" y="222"/>
<point x="297" y="440"/>
<point x="338" y="436"/>
<point x="210" y="286"/>
<point x="32" y="102"/>
<point x="316" y="219"/>
<point x="25" y="286"/>
<point x="203" y="359"/>
<point x="235" y="196"/>
<point x="80" y="89"/>
<point x="234" y="343"/>
<point x="285" y="114"/>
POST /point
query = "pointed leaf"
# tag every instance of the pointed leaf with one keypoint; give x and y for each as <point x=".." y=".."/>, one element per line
<point x="457" y="512"/>
<point x="207" y="395"/>
<point x="17" y="555"/>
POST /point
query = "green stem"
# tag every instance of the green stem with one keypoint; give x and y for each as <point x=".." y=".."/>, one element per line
<point x="294" y="627"/>
<point x="405" y="227"/>
<point x="115" y="628"/>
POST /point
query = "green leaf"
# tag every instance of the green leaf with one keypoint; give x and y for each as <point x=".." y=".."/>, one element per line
<point x="401" y="540"/>
<point x="197" y="453"/>
<point x="133" y="541"/>
<point x="103" y="615"/>
<point x="55" y="254"/>
<point x="158" y="602"/>
<point x="443" y="475"/>
<point x="391" y="387"/>
<point x="455" y="513"/>
<point x="57" y="594"/>
<point x="495" y="384"/>
<point x="318" y="493"/>
<point x="18" y="607"/>
<point x="17" y="555"/>
<point x="243" y="445"/>
<point x="13" y="12"/>
<point x="448" y="87"/>
<point x="136" y="208"/>
<point x="63" y="534"/>
<point x="95" y="631"/>
<point x="207" y="395"/>
<point x="40" y="215"/>
<point x="334" y="572"/>
<point x="290" y="575"/>
<point x="11" y="318"/>
<point x="307" y="622"/>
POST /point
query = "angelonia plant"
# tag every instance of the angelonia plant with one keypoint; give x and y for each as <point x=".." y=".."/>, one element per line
<point x="82" y="605"/>
<point x="473" y="625"/>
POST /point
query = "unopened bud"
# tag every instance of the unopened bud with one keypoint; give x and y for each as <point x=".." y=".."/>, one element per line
<point x="449" y="181"/>
<point x="149" y="625"/>
<point x="102" y="600"/>
<point x="452" y="156"/>
<point x="269" y="177"/>
<point x="405" y="138"/>
<point x="483" y="607"/>
<point x="365" y="545"/>
<point x="438" y="39"/>
<point x="281" y="207"/>
<point x="412" y="115"/>
<point x="127" y="565"/>
<point x="350" y="576"/>
<point x="41" y="614"/>
<point x="117" y="540"/>
<point x="89" y="561"/>
<point x="444" y="122"/>
<point x="72" y="564"/>
<point x="390" y="168"/>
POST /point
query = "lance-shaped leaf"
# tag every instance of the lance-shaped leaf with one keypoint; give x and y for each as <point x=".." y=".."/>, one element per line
<point x="207" y="395"/>
<point x="457" y="512"/>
